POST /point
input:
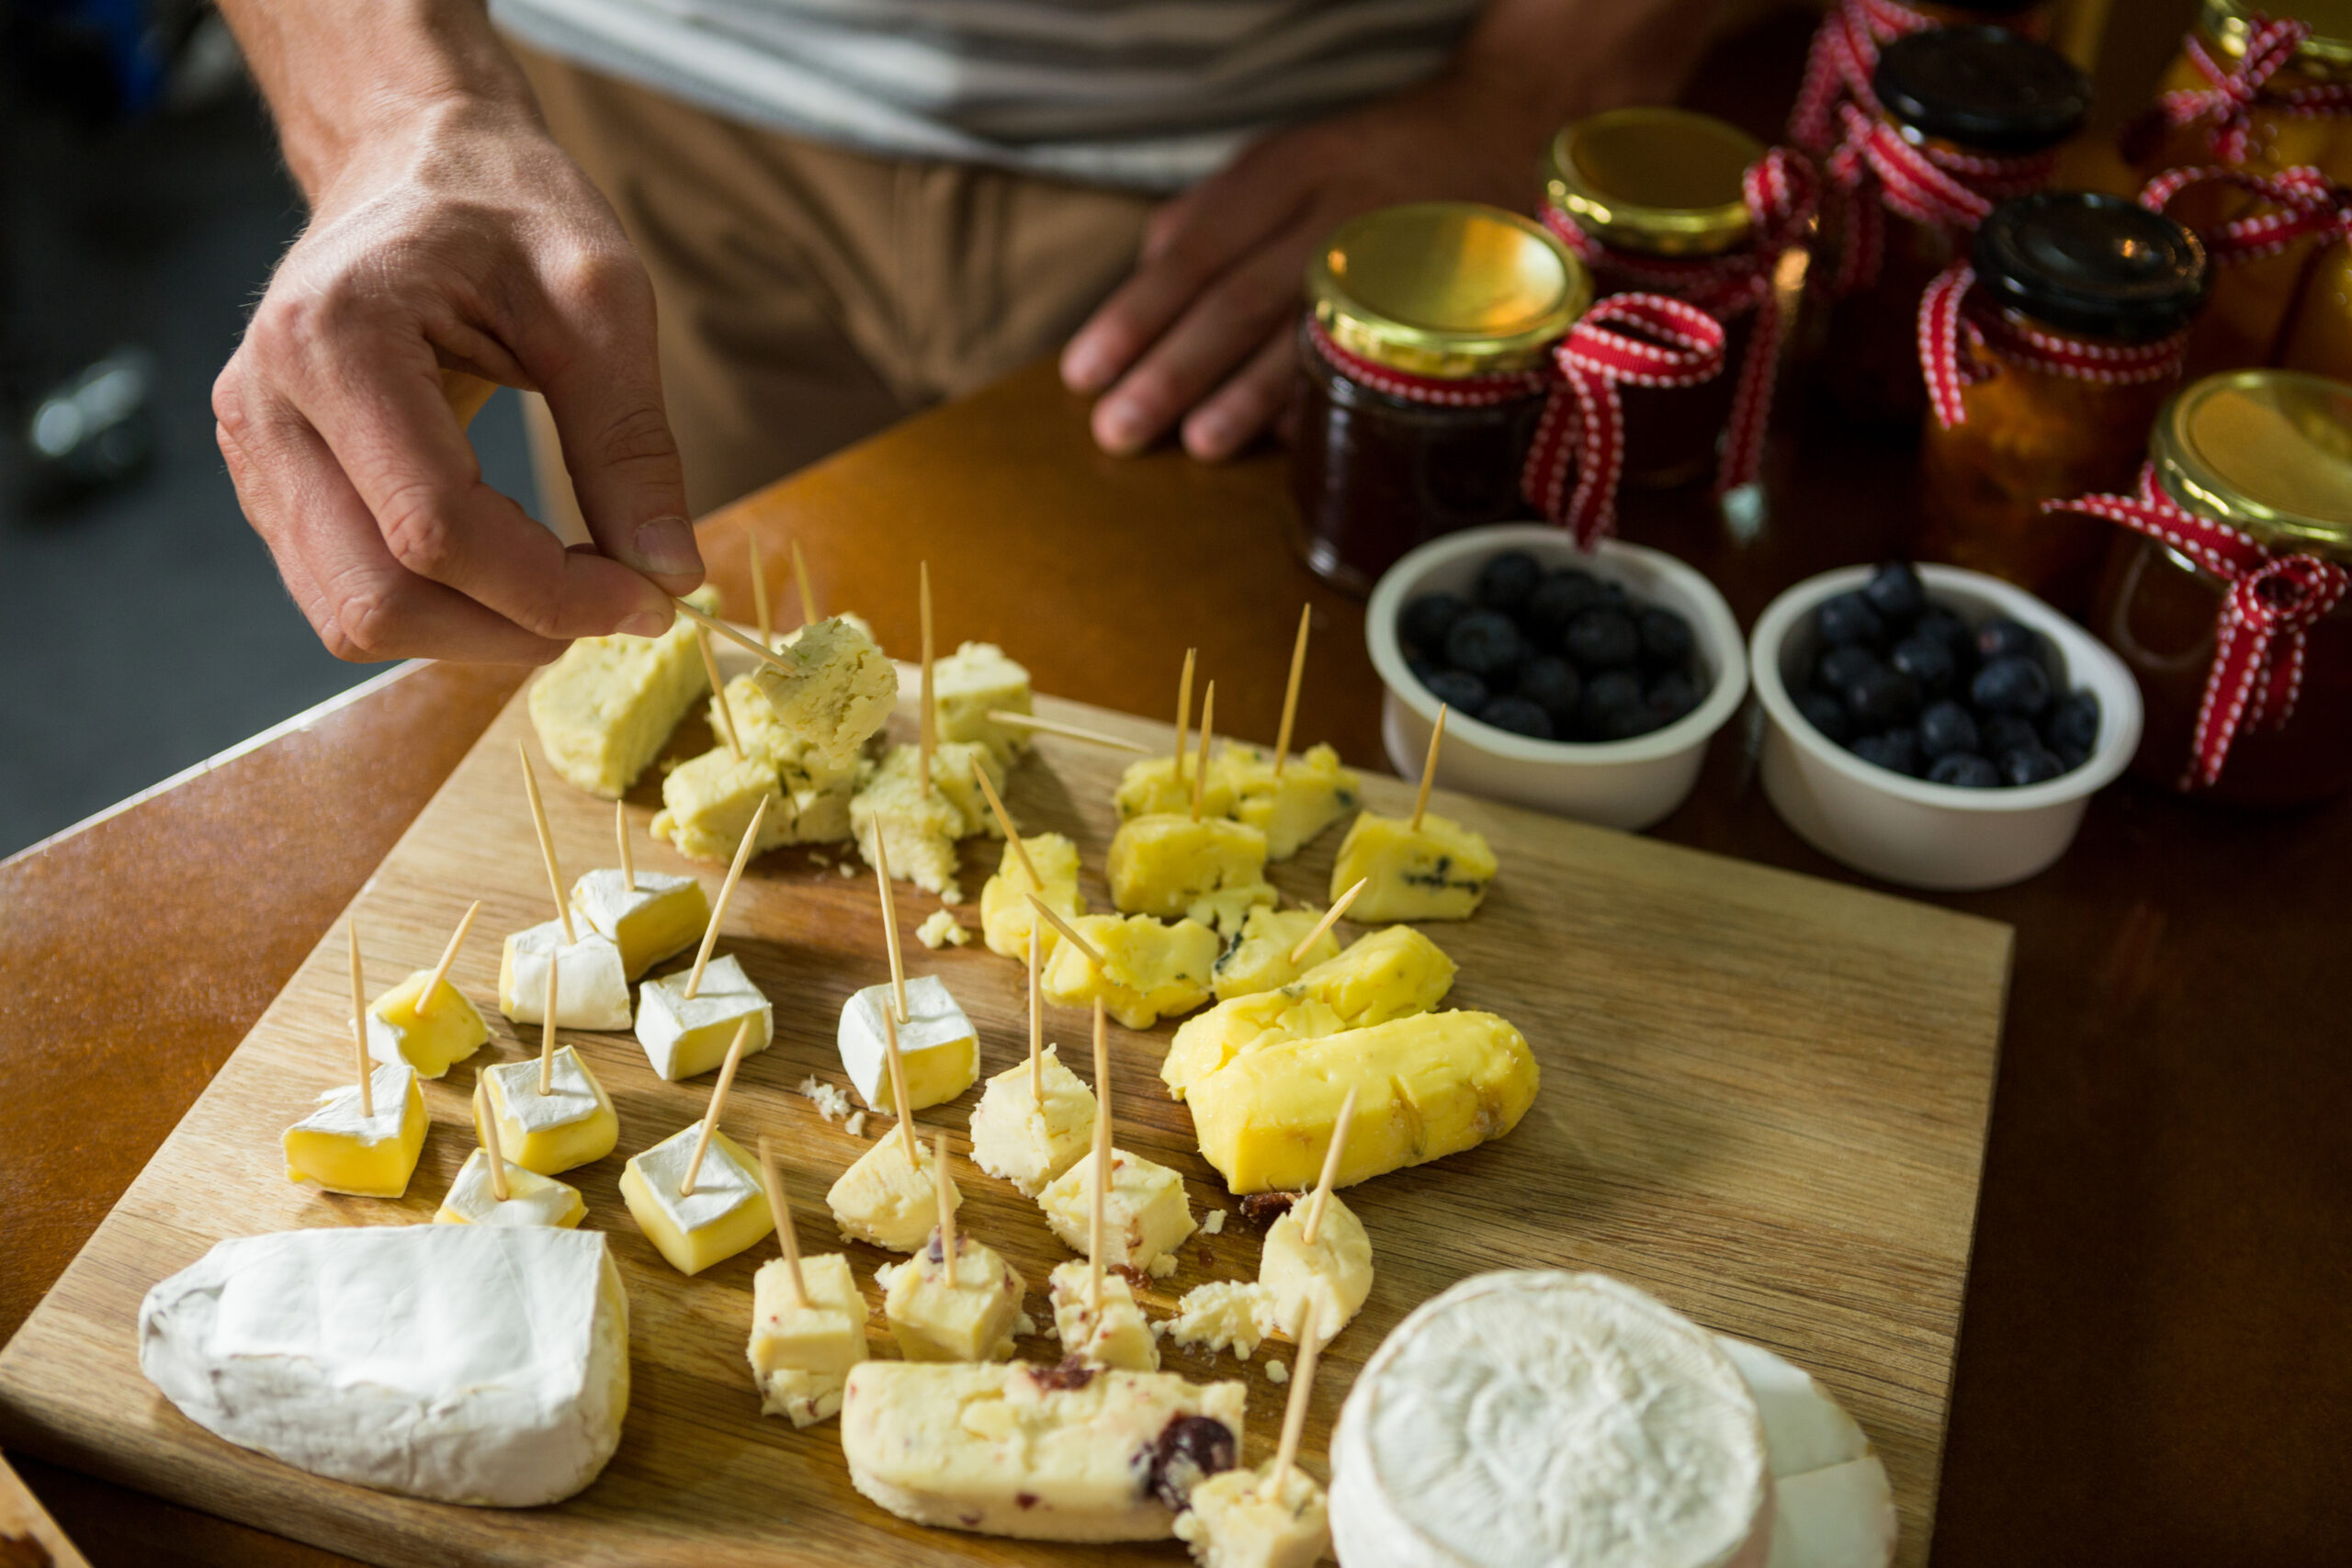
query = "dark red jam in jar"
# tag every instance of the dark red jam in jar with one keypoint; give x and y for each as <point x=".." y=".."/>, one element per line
<point x="1424" y="354"/>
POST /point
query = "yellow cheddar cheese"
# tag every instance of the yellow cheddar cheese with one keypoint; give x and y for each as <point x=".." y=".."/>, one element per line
<point x="1438" y="873"/>
<point x="966" y="1312"/>
<point x="571" y="1125"/>
<point x="1151" y="970"/>
<point x="432" y="1041"/>
<point x="801" y="1354"/>
<point x="707" y="803"/>
<point x="1163" y="863"/>
<point x="1258" y="957"/>
<point x="343" y="1150"/>
<point x="1005" y="913"/>
<point x="604" y="710"/>
<point x="1312" y="791"/>
<point x="726" y="1212"/>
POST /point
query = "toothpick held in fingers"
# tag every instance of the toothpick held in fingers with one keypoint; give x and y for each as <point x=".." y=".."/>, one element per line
<point x="891" y="928"/>
<point x="718" y="627"/>
<point x="1429" y="768"/>
<point x="492" y="1156"/>
<point x="899" y="1088"/>
<point x="717" y="1107"/>
<point x="808" y="589"/>
<point x="1067" y="731"/>
<point x="1290" y="692"/>
<point x="720" y="706"/>
<point x="1330" y="917"/>
<point x="1069" y="933"/>
<point x="360" y="1024"/>
<point x="928" y="734"/>
<point x="1004" y="820"/>
<point x="620" y="836"/>
<point x="945" y="1191"/>
<point x="448" y="956"/>
<point x="1183" y="710"/>
<point x="1302" y="1381"/>
<point x="546" y="845"/>
<point x="780" y="1210"/>
<point x="1200" y="772"/>
<point x="1330" y="1170"/>
<point x="1036" y="1030"/>
<point x="759" y="589"/>
<point x="1094" y="1219"/>
<point x="725" y="892"/>
<point x="546" y="1035"/>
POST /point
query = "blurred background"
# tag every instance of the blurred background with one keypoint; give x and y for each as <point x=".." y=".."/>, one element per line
<point x="141" y="206"/>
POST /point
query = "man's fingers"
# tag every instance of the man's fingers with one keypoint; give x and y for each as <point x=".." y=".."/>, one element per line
<point x="1236" y="414"/>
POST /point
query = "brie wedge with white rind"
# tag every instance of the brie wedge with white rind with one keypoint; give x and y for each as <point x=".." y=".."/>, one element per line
<point x="479" y="1364"/>
<point x="684" y="1036"/>
<point x="1832" y="1506"/>
<point x="591" y="985"/>
<point x="938" y="1047"/>
<point x="1541" y="1417"/>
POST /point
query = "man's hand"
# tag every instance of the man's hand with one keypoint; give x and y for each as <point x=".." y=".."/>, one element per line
<point x="1201" y="334"/>
<point x="449" y="231"/>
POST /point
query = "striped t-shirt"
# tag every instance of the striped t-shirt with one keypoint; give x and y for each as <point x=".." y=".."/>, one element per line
<point x="1151" y="94"/>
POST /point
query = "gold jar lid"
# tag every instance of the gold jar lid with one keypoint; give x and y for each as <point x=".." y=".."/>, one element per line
<point x="1447" y="288"/>
<point x="2268" y="451"/>
<point x="2327" y="52"/>
<point x="1664" y="182"/>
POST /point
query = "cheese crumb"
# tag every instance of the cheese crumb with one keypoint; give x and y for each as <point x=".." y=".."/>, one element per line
<point x="941" y="929"/>
<point x="1214" y="1223"/>
<point x="1163" y="1265"/>
<point x="831" y="1102"/>
<point x="1277" y="1372"/>
<point x="856" y="1125"/>
<point x="820" y="857"/>
<point x="845" y="869"/>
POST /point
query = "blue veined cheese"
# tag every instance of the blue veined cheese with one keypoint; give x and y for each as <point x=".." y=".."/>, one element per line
<point x="837" y="691"/>
<point x="969" y="684"/>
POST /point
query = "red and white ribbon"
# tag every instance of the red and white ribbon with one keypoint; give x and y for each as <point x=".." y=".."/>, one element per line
<point x="1642" y="340"/>
<point x="1879" y="168"/>
<point x="2258" y="640"/>
<point x="1962" y="334"/>
<point x="1782" y="193"/>
<point x="2232" y="93"/>
<point x="2305" y="200"/>
<point x="1838" y="67"/>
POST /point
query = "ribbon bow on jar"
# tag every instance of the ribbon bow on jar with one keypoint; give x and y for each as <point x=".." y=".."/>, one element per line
<point x="2232" y="92"/>
<point x="2307" y="204"/>
<point x="2258" y="640"/>
<point x="1953" y="314"/>
<point x="1838" y="66"/>
<point x="1880" y="169"/>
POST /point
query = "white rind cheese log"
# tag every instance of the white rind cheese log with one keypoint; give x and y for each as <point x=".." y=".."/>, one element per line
<point x="476" y="1364"/>
<point x="1832" y="1506"/>
<point x="1540" y="1417"/>
<point x="1042" y="1453"/>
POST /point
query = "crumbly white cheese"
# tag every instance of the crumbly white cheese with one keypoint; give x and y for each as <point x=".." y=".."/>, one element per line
<point x="942" y="928"/>
<point x="1214" y="1223"/>
<point x="481" y="1364"/>
<point x="831" y="1102"/>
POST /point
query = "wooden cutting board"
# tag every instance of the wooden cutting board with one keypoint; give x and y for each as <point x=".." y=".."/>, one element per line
<point x="1764" y="1100"/>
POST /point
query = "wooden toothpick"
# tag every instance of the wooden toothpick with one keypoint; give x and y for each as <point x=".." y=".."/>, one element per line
<point x="717" y="1106"/>
<point x="360" y="1024"/>
<point x="620" y="836"/>
<point x="1429" y="768"/>
<point x="808" y="589"/>
<point x="945" y="1191"/>
<point x="1069" y="934"/>
<point x="759" y="589"/>
<point x="1200" y="772"/>
<point x="725" y="892"/>
<point x="546" y="845"/>
<point x="1330" y="917"/>
<point x="1067" y="731"/>
<point x="1302" y="1379"/>
<point x="718" y="627"/>
<point x="547" y="1034"/>
<point x="1290" y="692"/>
<point x="1036" y="1029"/>
<point x="1094" y="1227"/>
<point x="492" y="1154"/>
<point x="448" y="956"/>
<point x="1330" y="1170"/>
<point x="780" y="1210"/>
<point x="897" y="1007"/>
<point x="1183" y="710"/>
<point x="928" y="731"/>
<point x="1004" y="820"/>
<point x="899" y="1088"/>
<point x="721" y="707"/>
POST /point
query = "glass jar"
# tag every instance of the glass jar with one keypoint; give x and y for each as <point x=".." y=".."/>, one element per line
<point x="2265" y="452"/>
<point x="2079" y="302"/>
<point x="1845" y="45"/>
<point x="2277" y="138"/>
<point x="1655" y="195"/>
<point x="1424" y="354"/>
<point x="2318" y="337"/>
<point x="1979" y="107"/>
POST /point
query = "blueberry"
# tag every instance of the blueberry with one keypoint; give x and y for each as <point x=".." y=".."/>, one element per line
<point x="1670" y="696"/>
<point x="1603" y="639"/>
<point x="1518" y="716"/>
<point x="1944" y="729"/>
<point x="1841" y="667"/>
<point x="1666" y="638"/>
<point x="2009" y="683"/>
<point x="1613" y="592"/>
<point x="1458" y="689"/>
<point x="1557" y="600"/>
<point x="2004" y="733"/>
<point x="1486" y="643"/>
<point x="2072" y="725"/>
<point x="1506" y="580"/>
<point x="2005" y="640"/>
<point x="1880" y="698"/>
<point x="1897" y="751"/>
<point x="1895" y="592"/>
<point x="1927" y="660"/>
<point x="1552" y="683"/>
<point x="1425" y="621"/>
<point x="2069" y="759"/>
<point x="1826" y="713"/>
<point x="1937" y="622"/>
<point x="2030" y="765"/>
<point x="1849" y="618"/>
<point x="1966" y="769"/>
<point x="1612" y="708"/>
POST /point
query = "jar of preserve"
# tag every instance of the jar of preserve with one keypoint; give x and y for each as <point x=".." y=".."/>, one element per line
<point x="1967" y="116"/>
<point x="2263" y="87"/>
<point x="1845" y="53"/>
<point x="2046" y="357"/>
<point x="2224" y="592"/>
<point x="1674" y="203"/>
<point x="1457" y="373"/>
<point x="2279" y="280"/>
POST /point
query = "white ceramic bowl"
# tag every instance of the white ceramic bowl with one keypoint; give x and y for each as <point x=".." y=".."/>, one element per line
<point x="1907" y="829"/>
<point x="1622" y="784"/>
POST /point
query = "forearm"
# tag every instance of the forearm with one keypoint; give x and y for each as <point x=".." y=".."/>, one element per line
<point x="337" y="73"/>
<point x="1539" y="64"/>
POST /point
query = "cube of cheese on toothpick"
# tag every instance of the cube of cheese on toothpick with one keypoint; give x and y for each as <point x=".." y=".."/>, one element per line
<point x="1145" y="1214"/>
<point x="1235" y="1520"/>
<point x="591" y="981"/>
<point x="531" y="1198"/>
<point x="1440" y="871"/>
<point x="707" y="803"/>
<point x="1151" y="970"/>
<point x="686" y="1036"/>
<point x="1333" y="1274"/>
<point x="1225" y="1314"/>
<point x="1017" y="1139"/>
<point x="604" y="710"/>
<point x="888" y="1201"/>
<point x="971" y="682"/>
<point x="1005" y="911"/>
<point x="664" y="916"/>
<point x="1164" y="863"/>
<point x="919" y="827"/>
<point x="1118" y="1336"/>
<point x="1260" y="957"/>
<point x="1163" y="785"/>
<point x="968" y="1313"/>
<point x="571" y="1125"/>
<point x="838" y="691"/>
<point x="431" y="1042"/>
<point x="726" y="1212"/>
<point x="801" y="1354"/>
<point x="345" y="1149"/>
<point x="1312" y="791"/>
<point x="937" y="1045"/>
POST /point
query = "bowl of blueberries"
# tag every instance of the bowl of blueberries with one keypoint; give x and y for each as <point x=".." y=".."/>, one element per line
<point x="1935" y="726"/>
<point x="1586" y="683"/>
